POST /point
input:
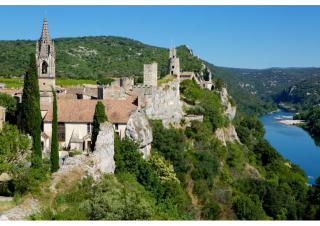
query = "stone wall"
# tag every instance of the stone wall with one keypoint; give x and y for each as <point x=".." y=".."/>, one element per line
<point x="174" y="62"/>
<point x="164" y="103"/>
<point x="150" y="74"/>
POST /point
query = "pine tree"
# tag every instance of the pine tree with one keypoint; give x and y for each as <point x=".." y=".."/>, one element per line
<point x="30" y="111"/>
<point x="54" y="154"/>
<point x="98" y="118"/>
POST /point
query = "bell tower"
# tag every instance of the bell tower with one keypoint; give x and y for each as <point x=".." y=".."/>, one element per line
<point x="174" y="62"/>
<point x="45" y="58"/>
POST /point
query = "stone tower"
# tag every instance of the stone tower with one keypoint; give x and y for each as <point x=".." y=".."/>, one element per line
<point x="174" y="62"/>
<point x="150" y="74"/>
<point x="45" y="58"/>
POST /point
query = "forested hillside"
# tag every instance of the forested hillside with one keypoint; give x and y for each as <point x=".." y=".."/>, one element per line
<point x="94" y="57"/>
<point x="302" y="95"/>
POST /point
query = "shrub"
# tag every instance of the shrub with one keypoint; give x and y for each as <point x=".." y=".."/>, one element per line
<point x="248" y="208"/>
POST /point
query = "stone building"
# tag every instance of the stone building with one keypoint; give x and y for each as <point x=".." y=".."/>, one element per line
<point x="75" y="118"/>
<point x="174" y="62"/>
<point x="45" y="59"/>
<point x="150" y="74"/>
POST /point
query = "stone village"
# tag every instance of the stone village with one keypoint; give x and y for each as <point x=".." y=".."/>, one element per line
<point x="127" y="106"/>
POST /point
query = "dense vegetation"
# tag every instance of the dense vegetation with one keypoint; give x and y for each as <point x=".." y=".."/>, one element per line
<point x="312" y="121"/>
<point x="301" y="96"/>
<point x="94" y="57"/>
<point x="247" y="100"/>
<point x="192" y="175"/>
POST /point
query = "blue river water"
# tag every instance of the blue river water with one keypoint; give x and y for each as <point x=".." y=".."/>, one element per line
<point x="293" y="143"/>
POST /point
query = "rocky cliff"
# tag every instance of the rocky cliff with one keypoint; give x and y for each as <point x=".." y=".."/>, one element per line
<point x="230" y="111"/>
<point x="139" y="130"/>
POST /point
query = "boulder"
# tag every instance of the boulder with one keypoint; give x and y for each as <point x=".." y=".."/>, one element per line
<point x="139" y="130"/>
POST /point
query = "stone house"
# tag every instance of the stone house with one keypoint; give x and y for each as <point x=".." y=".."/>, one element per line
<point x="75" y="118"/>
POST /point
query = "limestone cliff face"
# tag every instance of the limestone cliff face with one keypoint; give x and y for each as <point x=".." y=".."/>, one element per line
<point x="164" y="103"/>
<point x="227" y="134"/>
<point x="139" y="130"/>
<point x="230" y="111"/>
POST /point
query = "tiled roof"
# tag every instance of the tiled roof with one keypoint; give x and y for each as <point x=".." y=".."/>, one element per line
<point x="77" y="111"/>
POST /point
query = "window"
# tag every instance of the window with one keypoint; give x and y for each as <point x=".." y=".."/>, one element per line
<point x="44" y="67"/>
<point x="88" y="128"/>
<point x="61" y="131"/>
<point x="116" y="126"/>
<point x="48" y="49"/>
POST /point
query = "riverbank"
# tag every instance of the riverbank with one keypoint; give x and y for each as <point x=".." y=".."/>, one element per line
<point x="294" y="143"/>
<point x="291" y="122"/>
<point x="288" y="120"/>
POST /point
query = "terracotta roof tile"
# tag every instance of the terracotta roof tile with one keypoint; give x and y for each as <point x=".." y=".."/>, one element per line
<point x="73" y="110"/>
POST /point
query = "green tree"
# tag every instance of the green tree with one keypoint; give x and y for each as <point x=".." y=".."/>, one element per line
<point x="10" y="104"/>
<point x="30" y="111"/>
<point x="14" y="148"/>
<point x="247" y="208"/>
<point x="98" y="118"/>
<point x="54" y="154"/>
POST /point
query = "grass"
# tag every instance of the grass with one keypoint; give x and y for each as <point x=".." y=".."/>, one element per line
<point x="12" y="82"/>
<point x="74" y="82"/>
<point x="18" y="82"/>
<point x="166" y="79"/>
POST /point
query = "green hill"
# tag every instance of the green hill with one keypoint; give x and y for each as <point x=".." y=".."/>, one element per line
<point x="93" y="57"/>
<point x="302" y="95"/>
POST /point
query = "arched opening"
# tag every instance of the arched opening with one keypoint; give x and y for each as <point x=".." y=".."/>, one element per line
<point x="44" y="67"/>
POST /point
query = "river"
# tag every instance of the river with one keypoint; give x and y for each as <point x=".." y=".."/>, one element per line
<point x="293" y="143"/>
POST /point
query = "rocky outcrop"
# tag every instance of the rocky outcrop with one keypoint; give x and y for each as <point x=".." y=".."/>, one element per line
<point x="227" y="134"/>
<point x="230" y="111"/>
<point x="139" y="130"/>
<point x="26" y="208"/>
<point x="104" y="149"/>
<point x="164" y="103"/>
<point x="95" y="164"/>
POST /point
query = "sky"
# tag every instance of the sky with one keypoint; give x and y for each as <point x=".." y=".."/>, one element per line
<point x="232" y="36"/>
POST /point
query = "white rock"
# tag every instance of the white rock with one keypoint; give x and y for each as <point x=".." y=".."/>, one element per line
<point x="227" y="134"/>
<point x="104" y="149"/>
<point x="139" y="130"/>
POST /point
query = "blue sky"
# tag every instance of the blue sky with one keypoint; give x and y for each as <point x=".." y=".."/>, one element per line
<point x="234" y="36"/>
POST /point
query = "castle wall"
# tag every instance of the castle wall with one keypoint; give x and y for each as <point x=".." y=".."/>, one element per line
<point x="150" y="74"/>
<point x="164" y="103"/>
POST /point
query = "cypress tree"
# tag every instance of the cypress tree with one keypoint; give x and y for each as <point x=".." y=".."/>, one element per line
<point x="98" y="118"/>
<point x="30" y="111"/>
<point x="54" y="154"/>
